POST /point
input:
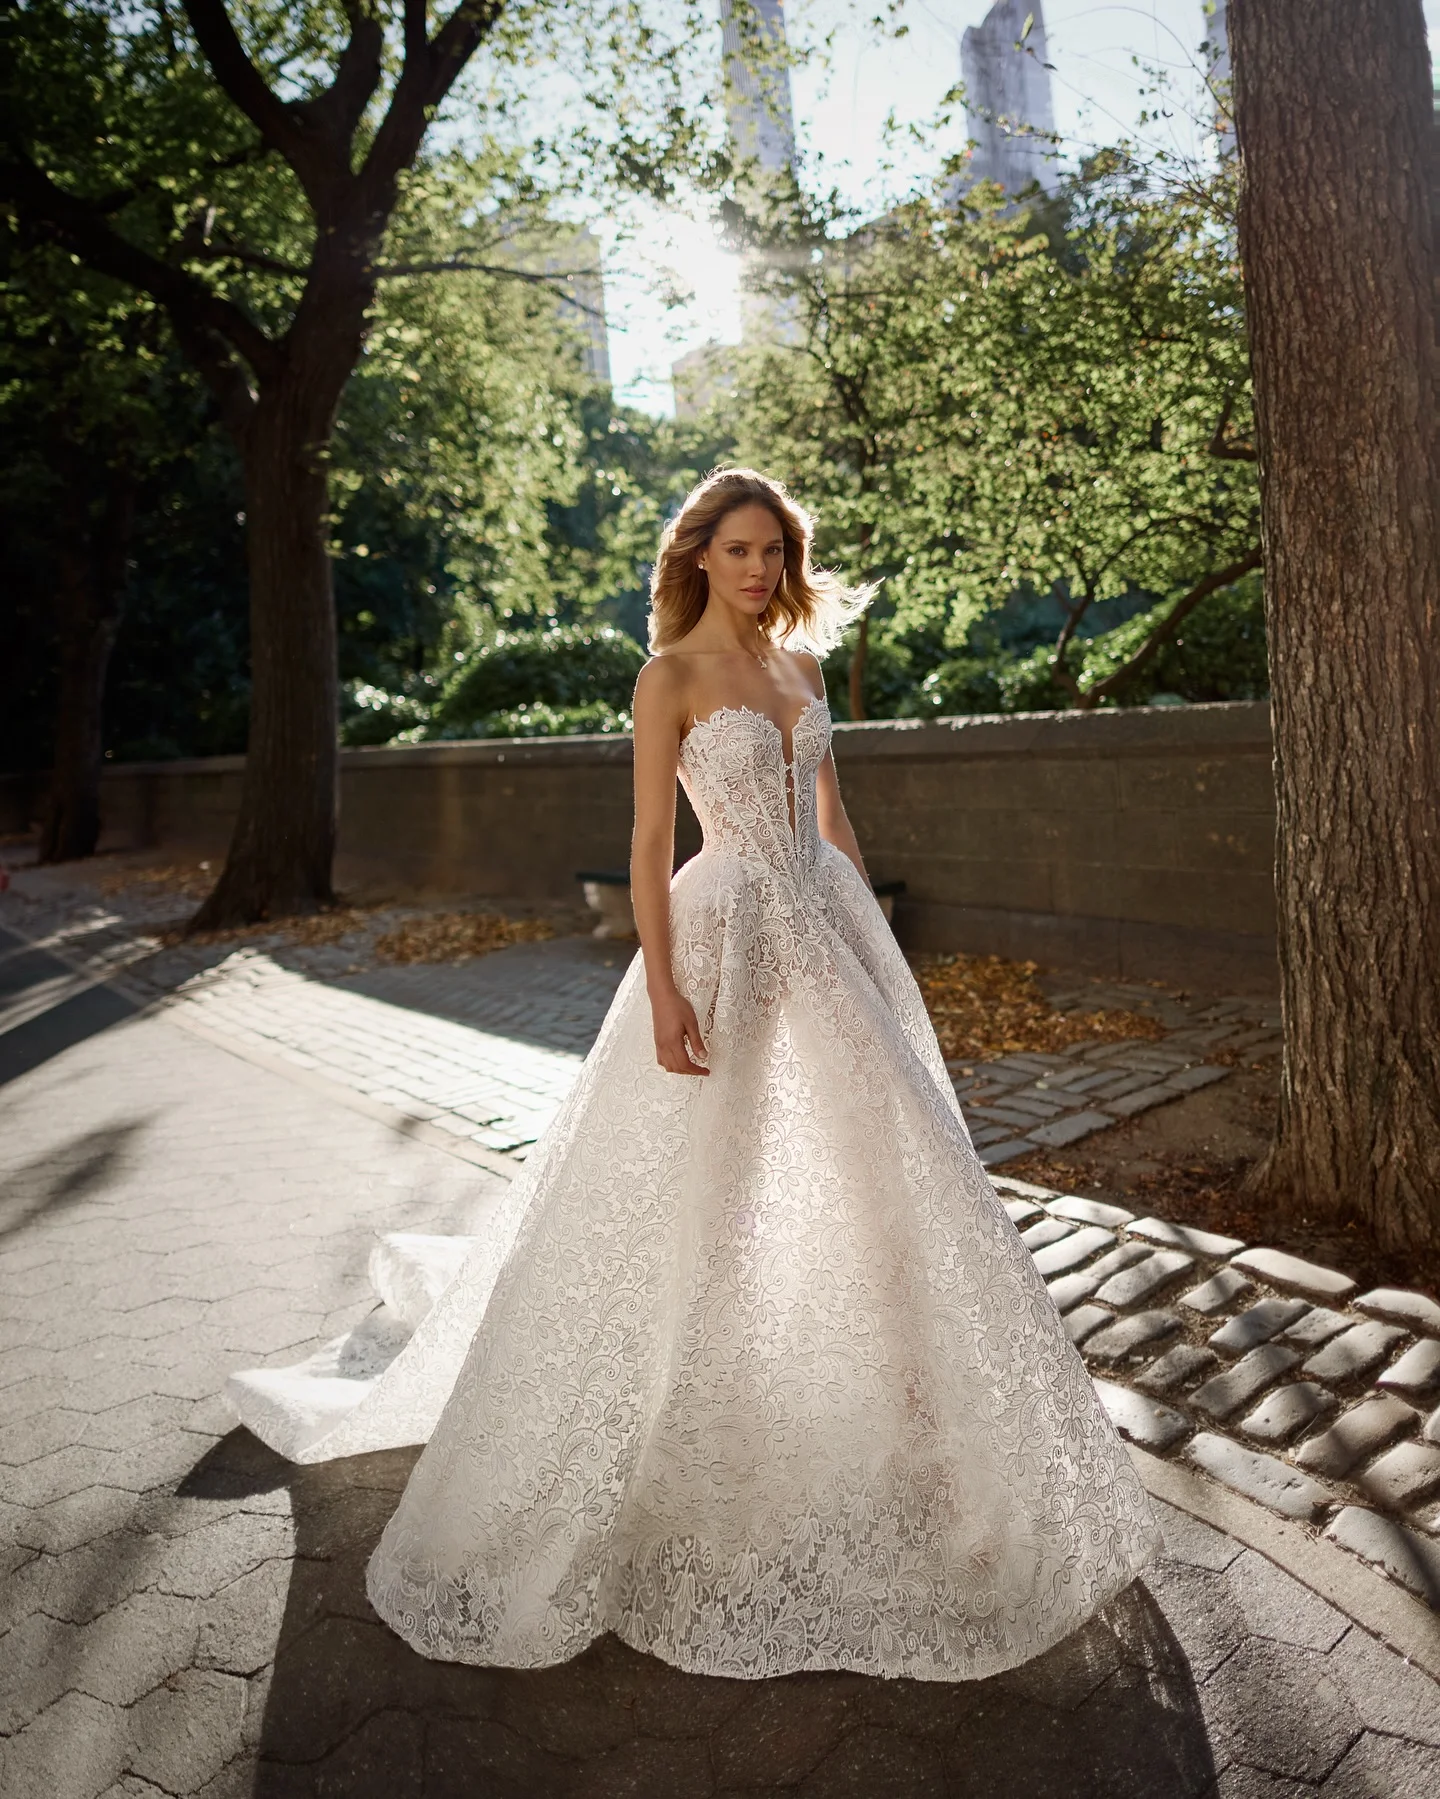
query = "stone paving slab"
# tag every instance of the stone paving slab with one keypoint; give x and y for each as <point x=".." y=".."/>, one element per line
<point x="184" y="1613"/>
<point x="491" y="1068"/>
<point x="119" y="1320"/>
<point x="549" y="1000"/>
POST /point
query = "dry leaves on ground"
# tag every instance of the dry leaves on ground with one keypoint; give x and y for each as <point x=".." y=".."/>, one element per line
<point x="454" y="936"/>
<point x="984" y="1006"/>
<point x="192" y="882"/>
<point x="308" y="930"/>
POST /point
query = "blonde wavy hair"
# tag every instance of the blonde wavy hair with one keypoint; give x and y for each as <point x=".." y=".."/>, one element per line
<point x="809" y="608"/>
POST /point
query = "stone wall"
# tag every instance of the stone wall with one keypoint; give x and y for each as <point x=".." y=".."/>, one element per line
<point x="1135" y="843"/>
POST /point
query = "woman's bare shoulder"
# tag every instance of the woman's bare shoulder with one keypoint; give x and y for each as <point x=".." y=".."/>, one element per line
<point x="810" y="670"/>
<point x="663" y="684"/>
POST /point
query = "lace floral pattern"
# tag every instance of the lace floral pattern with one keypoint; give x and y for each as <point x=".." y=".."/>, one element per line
<point x="753" y="1370"/>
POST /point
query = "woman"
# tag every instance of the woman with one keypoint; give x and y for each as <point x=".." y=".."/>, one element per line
<point x="752" y="1369"/>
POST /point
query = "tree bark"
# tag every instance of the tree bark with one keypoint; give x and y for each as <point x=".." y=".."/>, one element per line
<point x="282" y="849"/>
<point x="857" y="668"/>
<point x="91" y="576"/>
<point x="1333" y="111"/>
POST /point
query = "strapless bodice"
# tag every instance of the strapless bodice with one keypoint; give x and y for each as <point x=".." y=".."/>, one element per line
<point x="733" y="767"/>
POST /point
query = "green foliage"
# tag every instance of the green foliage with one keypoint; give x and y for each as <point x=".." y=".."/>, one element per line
<point x="554" y="671"/>
<point x="540" y="720"/>
<point x="457" y="438"/>
<point x="457" y="464"/>
<point x="633" y="472"/>
<point x="1218" y="654"/>
<point x="979" y="400"/>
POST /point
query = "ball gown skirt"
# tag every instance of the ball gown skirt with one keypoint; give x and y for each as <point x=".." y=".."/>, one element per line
<point x="752" y="1370"/>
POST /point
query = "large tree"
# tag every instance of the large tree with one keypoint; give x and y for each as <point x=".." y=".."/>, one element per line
<point x="82" y="432"/>
<point x="244" y="165"/>
<point x="1333" y="108"/>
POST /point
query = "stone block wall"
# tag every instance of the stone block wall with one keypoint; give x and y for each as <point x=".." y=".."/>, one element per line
<point x="1135" y="843"/>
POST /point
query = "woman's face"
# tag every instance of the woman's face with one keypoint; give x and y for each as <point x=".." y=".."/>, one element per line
<point x="745" y="559"/>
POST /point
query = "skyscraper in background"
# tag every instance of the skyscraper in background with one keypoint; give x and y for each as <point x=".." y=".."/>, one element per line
<point x="568" y="257"/>
<point x="760" y="124"/>
<point x="1217" y="70"/>
<point x="1008" y="109"/>
<point x="576" y="257"/>
<point x="757" y="84"/>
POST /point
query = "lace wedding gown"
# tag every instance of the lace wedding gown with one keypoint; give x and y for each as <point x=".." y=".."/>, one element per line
<point x="752" y="1370"/>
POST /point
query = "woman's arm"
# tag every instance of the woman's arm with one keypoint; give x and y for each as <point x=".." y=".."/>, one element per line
<point x="660" y="697"/>
<point x="834" y="826"/>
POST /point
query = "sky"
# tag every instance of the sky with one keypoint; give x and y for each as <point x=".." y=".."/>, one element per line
<point x="841" y="104"/>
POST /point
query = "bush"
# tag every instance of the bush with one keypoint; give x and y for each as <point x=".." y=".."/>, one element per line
<point x="1219" y="653"/>
<point x="370" y="715"/>
<point x="554" y="674"/>
<point x="540" y="720"/>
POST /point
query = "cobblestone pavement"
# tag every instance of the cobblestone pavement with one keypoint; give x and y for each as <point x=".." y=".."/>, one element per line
<point x="1272" y="1375"/>
<point x="1023" y="1102"/>
<point x="183" y="1614"/>
<point x="530" y="1015"/>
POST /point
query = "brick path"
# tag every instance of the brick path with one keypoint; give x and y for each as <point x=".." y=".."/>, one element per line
<point x="1342" y="1433"/>
<point x="183" y="1613"/>
<point x="529" y="1016"/>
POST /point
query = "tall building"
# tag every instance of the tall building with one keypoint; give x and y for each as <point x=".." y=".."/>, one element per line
<point x="757" y="84"/>
<point x="582" y="302"/>
<point x="760" y="122"/>
<point x="570" y="256"/>
<point x="701" y="376"/>
<point x="1008" y="109"/>
<point x="1217" y="70"/>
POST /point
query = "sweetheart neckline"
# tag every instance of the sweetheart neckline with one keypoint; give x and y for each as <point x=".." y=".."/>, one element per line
<point x="816" y="699"/>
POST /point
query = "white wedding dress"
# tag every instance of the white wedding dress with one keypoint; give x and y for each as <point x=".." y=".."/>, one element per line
<point x="752" y="1370"/>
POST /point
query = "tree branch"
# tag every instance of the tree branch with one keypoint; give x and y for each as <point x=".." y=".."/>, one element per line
<point x="1179" y="612"/>
<point x="430" y="70"/>
<point x="1074" y="614"/>
<point x="199" y="314"/>
<point x="461" y="266"/>
<point x="243" y="82"/>
<point x="1226" y="449"/>
<point x="224" y="249"/>
<point x="339" y="110"/>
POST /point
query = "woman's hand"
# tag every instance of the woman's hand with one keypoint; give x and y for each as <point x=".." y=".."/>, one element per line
<point x="679" y="1047"/>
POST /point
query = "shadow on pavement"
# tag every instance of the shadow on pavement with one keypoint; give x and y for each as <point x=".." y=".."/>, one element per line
<point x="550" y="996"/>
<point x="58" y="1024"/>
<point x="1112" y="1713"/>
<point x="62" y="1177"/>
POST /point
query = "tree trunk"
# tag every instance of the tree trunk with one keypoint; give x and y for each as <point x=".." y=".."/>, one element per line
<point x="92" y="577"/>
<point x="283" y="844"/>
<point x="1333" y="108"/>
<point x="857" y="668"/>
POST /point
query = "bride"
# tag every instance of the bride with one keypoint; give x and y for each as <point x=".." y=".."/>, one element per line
<point x="749" y="1366"/>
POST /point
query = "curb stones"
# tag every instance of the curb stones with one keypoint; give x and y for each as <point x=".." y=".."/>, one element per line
<point x="1268" y="1373"/>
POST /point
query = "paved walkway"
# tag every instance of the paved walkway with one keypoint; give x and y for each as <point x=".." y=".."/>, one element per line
<point x="183" y="1614"/>
<point x="529" y="1016"/>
